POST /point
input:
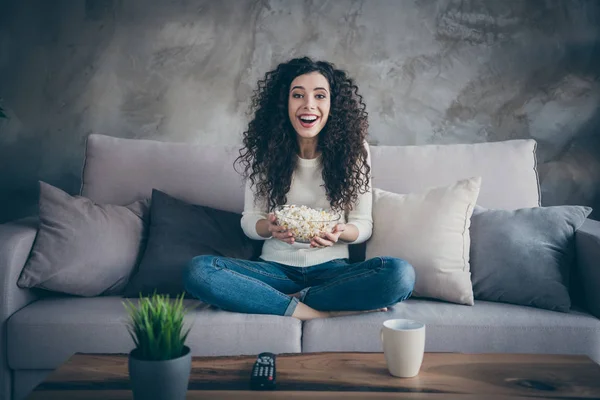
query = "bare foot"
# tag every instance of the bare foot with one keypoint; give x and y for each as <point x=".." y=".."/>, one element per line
<point x="305" y="313"/>
<point x="344" y="313"/>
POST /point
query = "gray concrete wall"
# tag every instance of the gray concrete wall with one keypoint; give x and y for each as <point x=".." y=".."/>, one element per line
<point x="431" y="71"/>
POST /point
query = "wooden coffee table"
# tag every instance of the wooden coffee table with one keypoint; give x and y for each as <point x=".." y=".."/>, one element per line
<point x="344" y="375"/>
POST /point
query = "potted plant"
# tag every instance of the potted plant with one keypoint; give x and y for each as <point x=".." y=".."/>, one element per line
<point x="160" y="363"/>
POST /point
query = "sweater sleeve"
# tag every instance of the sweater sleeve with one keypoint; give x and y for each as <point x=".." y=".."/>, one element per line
<point x="361" y="215"/>
<point x="253" y="212"/>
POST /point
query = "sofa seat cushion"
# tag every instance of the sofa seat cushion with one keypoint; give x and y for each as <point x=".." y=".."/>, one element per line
<point x="485" y="327"/>
<point x="47" y="332"/>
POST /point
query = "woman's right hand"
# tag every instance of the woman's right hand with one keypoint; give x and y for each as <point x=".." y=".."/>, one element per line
<point x="278" y="231"/>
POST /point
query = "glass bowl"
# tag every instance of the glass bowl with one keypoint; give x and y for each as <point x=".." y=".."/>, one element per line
<point x="305" y="222"/>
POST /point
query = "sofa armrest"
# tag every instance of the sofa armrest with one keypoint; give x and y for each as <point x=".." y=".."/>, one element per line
<point x="16" y="240"/>
<point x="587" y="241"/>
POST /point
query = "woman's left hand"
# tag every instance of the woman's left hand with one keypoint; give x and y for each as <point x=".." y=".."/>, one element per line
<point x="330" y="238"/>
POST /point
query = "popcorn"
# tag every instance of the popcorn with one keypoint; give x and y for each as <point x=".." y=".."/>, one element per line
<point x="305" y="222"/>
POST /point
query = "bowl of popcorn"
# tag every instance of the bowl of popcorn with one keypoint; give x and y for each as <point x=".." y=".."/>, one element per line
<point x="305" y="222"/>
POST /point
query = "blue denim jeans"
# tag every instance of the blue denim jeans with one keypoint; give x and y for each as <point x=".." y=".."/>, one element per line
<point x="264" y="287"/>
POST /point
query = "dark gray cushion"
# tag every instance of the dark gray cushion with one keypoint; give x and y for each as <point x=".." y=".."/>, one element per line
<point x="178" y="232"/>
<point x="83" y="248"/>
<point x="524" y="256"/>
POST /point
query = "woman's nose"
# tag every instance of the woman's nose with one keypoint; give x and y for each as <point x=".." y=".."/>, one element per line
<point x="309" y="103"/>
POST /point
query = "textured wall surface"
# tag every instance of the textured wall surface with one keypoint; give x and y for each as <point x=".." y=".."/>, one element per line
<point x="431" y="71"/>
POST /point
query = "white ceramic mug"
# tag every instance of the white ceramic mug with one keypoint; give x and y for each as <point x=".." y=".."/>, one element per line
<point x="403" y="346"/>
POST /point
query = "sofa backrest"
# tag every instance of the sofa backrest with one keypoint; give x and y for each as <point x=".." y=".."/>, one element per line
<point x="120" y="171"/>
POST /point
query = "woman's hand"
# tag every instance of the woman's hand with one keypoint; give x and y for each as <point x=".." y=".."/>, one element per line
<point x="330" y="238"/>
<point x="278" y="231"/>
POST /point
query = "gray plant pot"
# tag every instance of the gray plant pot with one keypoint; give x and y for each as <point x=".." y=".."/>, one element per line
<point x="160" y="380"/>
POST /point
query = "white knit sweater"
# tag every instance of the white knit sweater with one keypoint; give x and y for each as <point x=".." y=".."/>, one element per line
<point x="306" y="190"/>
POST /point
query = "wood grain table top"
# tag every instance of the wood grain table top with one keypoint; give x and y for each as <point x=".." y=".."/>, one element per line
<point x="344" y="375"/>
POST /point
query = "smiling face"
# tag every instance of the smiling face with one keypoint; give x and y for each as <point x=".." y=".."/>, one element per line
<point x="308" y="104"/>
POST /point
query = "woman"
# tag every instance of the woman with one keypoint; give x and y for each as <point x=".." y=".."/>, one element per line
<point x="305" y="145"/>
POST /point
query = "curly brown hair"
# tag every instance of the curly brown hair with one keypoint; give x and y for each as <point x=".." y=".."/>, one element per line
<point x="270" y="141"/>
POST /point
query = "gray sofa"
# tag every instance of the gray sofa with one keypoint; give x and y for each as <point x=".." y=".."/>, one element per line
<point x="40" y="331"/>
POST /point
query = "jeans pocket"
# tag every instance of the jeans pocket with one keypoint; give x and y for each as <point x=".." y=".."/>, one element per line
<point x="217" y="263"/>
<point x="340" y="262"/>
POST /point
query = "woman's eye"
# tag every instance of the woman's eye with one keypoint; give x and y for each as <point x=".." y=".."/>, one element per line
<point x="320" y="96"/>
<point x="297" y="96"/>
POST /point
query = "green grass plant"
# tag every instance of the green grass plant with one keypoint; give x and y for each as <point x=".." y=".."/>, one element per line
<point x="156" y="327"/>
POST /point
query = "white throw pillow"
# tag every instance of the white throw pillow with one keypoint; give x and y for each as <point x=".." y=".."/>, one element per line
<point x="431" y="231"/>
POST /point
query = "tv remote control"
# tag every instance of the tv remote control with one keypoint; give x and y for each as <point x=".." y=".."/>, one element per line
<point x="263" y="372"/>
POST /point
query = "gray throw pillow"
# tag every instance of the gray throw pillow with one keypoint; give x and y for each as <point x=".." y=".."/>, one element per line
<point x="525" y="256"/>
<point x="178" y="232"/>
<point x="83" y="248"/>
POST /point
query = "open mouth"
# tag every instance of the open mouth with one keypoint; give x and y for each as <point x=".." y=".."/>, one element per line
<point x="308" y="121"/>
